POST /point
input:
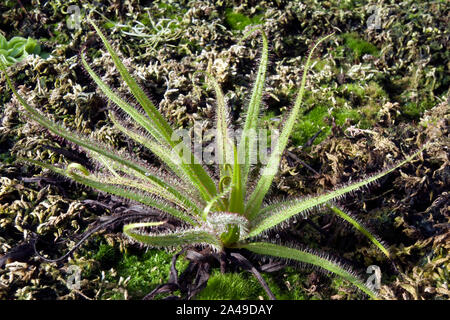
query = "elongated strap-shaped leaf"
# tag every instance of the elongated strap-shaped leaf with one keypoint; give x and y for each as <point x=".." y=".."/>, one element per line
<point x="85" y="143"/>
<point x="156" y="190"/>
<point x="71" y="136"/>
<point x="236" y="203"/>
<point x="283" y="252"/>
<point x="194" y="171"/>
<point x="163" y="153"/>
<point x="152" y="182"/>
<point x="116" y="190"/>
<point x="160" y="124"/>
<point x="223" y="139"/>
<point x="159" y="150"/>
<point x="264" y="183"/>
<point x="148" y="185"/>
<point x="182" y="170"/>
<point x="359" y="226"/>
<point x="273" y="215"/>
<point x="137" y="116"/>
<point x="177" y="238"/>
<point x="247" y="145"/>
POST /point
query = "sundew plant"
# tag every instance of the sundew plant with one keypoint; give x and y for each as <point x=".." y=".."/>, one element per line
<point x="227" y="210"/>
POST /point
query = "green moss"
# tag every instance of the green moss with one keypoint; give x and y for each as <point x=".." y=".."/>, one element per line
<point x="343" y="115"/>
<point x="170" y="11"/>
<point x="58" y="36"/>
<point x="343" y="288"/>
<point x="359" y="46"/>
<point x="238" y="21"/>
<point x="230" y="286"/>
<point x="309" y="124"/>
<point x="350" y="4"/>
<point x="319" y="65"/>
<point x="93" y="53"/>
<point x="320" y="115"/>
<point x="355" y="89"/>
<point x="5" y="97"/>
<point x="145" y="271"/>
<point x="414" y="110"/>
<point x="338" y="52"/>
<point x="244" y="286"/>
<point x="365" y="102"/>
<point x="10" y="4"/>
<point x="7" y="158"/>
<point x="107" y="256"/>
<point x="375" y="91"/>
<point x="270" y="114"/>
<point x="188" y="46"/>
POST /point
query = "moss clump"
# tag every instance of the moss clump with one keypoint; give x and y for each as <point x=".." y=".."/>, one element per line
<point x="414" y="110"/>
<point x="107" y="256"/>
<point x="170" y="11"/>
<point x="353" y="89"/>
<point x="359" y="46"/>
<point x="230" y="286"/>
<point x="145" y="272"/>
<point x="375" y="91"/>
<point x="352" y="103"/>
<point x="238" y="21"/>
<point x="319" y="65"/>
<point x="286" y="285"/>
<point x="310" y="124"/>
<point x="6" y="158"/>
<point x="320" y="117"/>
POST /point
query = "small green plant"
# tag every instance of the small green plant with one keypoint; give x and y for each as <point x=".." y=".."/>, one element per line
<point x="226" y="214"/>
<point x="17" y="48"/>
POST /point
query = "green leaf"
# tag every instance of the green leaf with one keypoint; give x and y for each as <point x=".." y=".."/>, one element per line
<point x="163" y="153"/>
<point x="248" y="140"/>
<point x="3" y="42"/>
<point x="160" y="129"/>
<point x="15" y="52"/>
<point x="119" y="161"/>
<point x="264" y="183"/>
<point x="213" y="201"/>
<point x="283" y="252"/>
<point x="230" y="236"/>
<point x="16" y="42"/>
<point x="359" y="226"/>
<point x="141" y="119"/>
<point x="177" y="238"/>
<point x="96" y="183"/>
<point x="236" y="203"/>
<point x="275" y="214"/>
<point x="32" y="47"/>
<point x="223" y="139"/>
